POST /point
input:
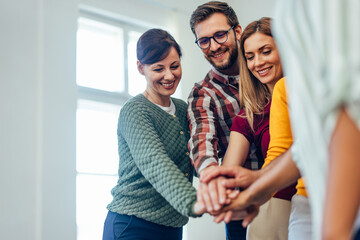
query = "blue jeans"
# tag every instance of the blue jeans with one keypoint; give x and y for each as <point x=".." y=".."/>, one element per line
<point x="118" y="226"/>
<point x="357" y="235"/>
<point x="235" y="230"/>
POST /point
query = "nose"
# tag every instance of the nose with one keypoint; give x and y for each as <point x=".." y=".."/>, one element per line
<point x="214" y="46"/>
<point x="259" y="61"/>
<point x="168" y="75"/>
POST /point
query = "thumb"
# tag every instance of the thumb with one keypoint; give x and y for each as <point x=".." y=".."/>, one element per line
<point x="253" y="211"/>
<point x="199" y="208"/>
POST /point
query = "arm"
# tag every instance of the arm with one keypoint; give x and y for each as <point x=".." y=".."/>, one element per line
<point x="237" y="150"/>
<point x="149" y="155"/>
<point x="203" y="136"/>
<point x="343" y="189"/>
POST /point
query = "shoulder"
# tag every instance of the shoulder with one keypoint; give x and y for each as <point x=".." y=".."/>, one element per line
<point x="240" y="120"/>
<point x="136" y="106"/>
<point x="280" y="88"/>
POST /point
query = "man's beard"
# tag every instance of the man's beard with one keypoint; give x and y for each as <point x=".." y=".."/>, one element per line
<point x="230" y="61"/>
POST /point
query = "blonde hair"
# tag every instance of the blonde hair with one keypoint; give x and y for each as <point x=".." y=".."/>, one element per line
<point x="253" y="95"/>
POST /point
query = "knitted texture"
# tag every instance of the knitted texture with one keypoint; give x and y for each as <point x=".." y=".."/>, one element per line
<point x="155" y="171"/>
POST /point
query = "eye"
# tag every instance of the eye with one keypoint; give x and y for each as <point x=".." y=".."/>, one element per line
<point x="175" y="67"/>
<point x="203" y="41"/>
<point x="249" y="58"/>
<point x="157" y="69"/>
<point x="266" y="52"/>
<point x="220" y="34"/>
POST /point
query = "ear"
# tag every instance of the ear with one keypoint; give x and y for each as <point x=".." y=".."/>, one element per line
<point x="140" y="67"/>
<point x="238" y="32"/>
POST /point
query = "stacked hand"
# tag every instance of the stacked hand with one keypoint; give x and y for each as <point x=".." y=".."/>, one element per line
<point x="217" y="192"/>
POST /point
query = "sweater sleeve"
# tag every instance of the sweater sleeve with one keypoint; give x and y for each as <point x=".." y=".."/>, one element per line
<point x="150" y="157"/>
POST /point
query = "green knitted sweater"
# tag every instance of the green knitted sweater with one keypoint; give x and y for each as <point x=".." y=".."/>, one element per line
<point x="155" y="171"/>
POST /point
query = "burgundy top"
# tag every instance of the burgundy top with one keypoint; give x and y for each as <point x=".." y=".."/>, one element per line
<point x="261" y="138"/>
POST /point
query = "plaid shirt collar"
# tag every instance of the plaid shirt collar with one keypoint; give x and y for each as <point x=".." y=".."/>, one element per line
<point x="224" y="79"/>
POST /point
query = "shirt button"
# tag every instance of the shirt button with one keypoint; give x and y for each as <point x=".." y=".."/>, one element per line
<point x="187" y="153"/>
<point x="181" y="132"/>
<point x="186" y="174"/>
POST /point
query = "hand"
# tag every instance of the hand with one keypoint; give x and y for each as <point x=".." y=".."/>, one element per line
<point x="242" y="177"/>
<point x="213" y="195"/>
<point x="249" y="200"/>
<point x="230" y="216"/>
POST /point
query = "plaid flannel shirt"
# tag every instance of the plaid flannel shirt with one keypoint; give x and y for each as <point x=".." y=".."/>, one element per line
<point x="213" y="105"/>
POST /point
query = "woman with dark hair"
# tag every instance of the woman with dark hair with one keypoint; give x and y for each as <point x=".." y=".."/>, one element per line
<point x="154" y="195"/>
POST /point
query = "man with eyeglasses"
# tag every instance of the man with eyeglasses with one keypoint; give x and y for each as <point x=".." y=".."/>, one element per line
<point x="214" y="101"/>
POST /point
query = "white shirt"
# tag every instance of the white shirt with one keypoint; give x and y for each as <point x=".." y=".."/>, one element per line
<point x="170" y="110"/>
<point x="319" y="46"/>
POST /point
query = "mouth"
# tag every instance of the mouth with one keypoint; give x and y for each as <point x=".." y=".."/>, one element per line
<point x="219" y="54"/>
<point x="264" y="71"/>
<point x="168" y="85"/>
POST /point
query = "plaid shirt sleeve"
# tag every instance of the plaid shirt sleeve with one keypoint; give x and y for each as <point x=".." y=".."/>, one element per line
<point x="203" y="141"/>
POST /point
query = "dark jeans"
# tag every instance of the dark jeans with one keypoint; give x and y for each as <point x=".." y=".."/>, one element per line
<point x="118" y="226"/>
<point x="357" y="235"/>
<point x="235" y="231"/>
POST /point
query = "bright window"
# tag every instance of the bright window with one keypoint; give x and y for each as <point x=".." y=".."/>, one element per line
<point x="100" y="61"/>
<point x="106" y="60"/>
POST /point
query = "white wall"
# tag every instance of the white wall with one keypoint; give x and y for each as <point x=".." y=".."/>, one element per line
<point x="38" y="105"/>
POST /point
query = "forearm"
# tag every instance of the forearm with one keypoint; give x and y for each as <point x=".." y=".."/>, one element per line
<point x="279" y="174"/>
<point x="203" y="136"/>
<point x="237" y="150"/>
<point x="343" y="190"/>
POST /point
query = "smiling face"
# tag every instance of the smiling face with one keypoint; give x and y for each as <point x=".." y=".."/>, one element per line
<point x="263" y="59"/>
<point x="162" y="78"/>
<point x="223" y="56"/>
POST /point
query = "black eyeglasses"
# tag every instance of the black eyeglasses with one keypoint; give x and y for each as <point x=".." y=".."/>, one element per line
<point x="219" y="37"/>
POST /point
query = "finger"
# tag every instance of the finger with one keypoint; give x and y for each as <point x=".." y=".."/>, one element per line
<point x="213" y="193"/>
<point x="221" y="191"/>
<point x="206" y="197"/>
<point x="199" y="196"/>
<point x="228" y="216"/>
<point x="234" y="183"/>
<point x="253" y="211"/>
<point x="232" y="194"/>
<point x="219" y="171"/>
<point x="199" y="208"/>
<point x="219" y="218"/>
<point x="239" y="203"/>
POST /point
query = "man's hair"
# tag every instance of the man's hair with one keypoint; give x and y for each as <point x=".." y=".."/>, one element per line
<point x="205" y="10"/>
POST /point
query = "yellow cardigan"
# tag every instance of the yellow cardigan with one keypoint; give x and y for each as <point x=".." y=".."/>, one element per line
<point x="280" y="130"/>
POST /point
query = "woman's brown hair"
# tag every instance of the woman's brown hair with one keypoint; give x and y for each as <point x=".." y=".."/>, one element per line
<point x="253" y="95"/>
